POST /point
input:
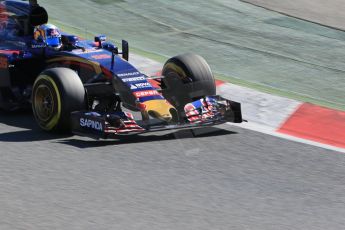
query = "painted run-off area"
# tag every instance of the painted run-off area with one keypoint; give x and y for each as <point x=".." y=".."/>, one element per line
<point x="318" y="124"/>
<point x="303" y="122"/>
<point x="243" y="43"/>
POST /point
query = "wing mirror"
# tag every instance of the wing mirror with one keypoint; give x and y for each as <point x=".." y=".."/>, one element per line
<point x="125" y="50"/>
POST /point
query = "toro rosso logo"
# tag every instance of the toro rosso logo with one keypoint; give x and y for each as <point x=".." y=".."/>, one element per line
<point x="91" y="124"/>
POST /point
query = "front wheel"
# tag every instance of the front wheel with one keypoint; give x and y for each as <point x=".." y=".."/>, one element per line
<point x="187" y="77"/>
<point x="56" y="93"/>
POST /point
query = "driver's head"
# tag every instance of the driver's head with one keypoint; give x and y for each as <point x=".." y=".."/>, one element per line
<point x="48" y="34"/>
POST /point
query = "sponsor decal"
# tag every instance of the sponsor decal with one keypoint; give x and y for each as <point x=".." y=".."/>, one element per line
<point x="101" y="56"/>
<point x="3" y="63"/>
<point x="133" y="79"/>
<point x="37" y="46"/>
<point x="93" y="114"/>
<point x="143" y="85"/>
<point x="87" y="123"/>
<point x="146" y="93"/>
<point x="128" y="74"/>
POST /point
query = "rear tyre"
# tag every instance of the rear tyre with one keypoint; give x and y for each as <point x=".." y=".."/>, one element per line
<point x="56" y="93"/>
<point x="187" y="77"/>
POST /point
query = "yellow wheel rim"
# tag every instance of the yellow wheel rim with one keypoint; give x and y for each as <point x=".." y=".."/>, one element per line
<point x="47" y="103"/>
<point x="44" y="103"/>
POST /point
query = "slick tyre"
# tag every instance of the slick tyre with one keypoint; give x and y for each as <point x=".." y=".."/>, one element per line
<point x="187" y="77"/>
<point x="56" y="93"/>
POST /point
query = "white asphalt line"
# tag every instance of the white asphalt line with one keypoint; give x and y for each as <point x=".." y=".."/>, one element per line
<point x="261" y="108"/>
<point x="269" y="131"/>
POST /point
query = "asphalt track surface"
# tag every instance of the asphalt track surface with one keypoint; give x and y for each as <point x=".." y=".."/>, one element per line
<point x="218" y="178"/>
<point x="328" y="13"/>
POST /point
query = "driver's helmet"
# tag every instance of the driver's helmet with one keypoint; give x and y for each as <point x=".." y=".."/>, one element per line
<point x="48" y="34"/>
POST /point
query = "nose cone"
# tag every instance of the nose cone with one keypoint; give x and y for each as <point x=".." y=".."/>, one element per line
<point x="160" y="109"/>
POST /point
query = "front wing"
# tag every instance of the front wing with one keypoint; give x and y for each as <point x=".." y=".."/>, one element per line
<point x="208" y="111"/>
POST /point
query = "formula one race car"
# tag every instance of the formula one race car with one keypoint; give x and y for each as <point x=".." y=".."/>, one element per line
<point x="90" y="88"/>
